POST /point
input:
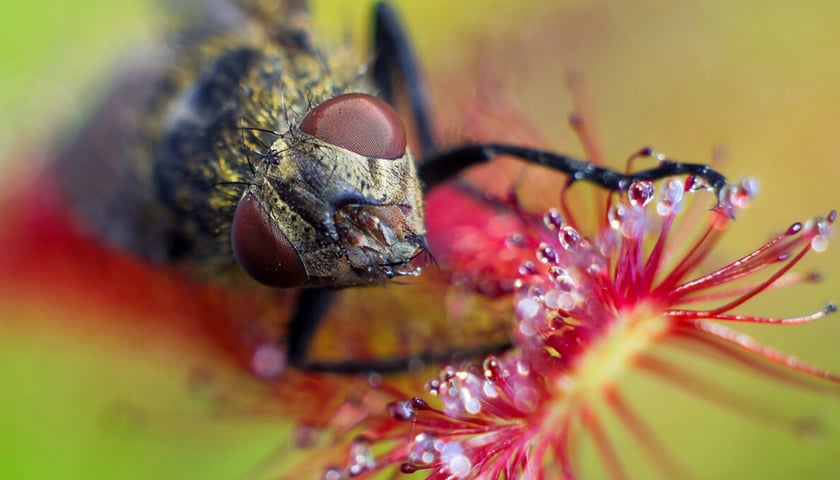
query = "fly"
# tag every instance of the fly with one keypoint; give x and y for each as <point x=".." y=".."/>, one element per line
<point x="252" y="154"/>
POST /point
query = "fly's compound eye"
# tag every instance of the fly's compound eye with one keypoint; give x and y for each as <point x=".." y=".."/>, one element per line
<point x="261" y="248"/>
<point x="360" y="123"/>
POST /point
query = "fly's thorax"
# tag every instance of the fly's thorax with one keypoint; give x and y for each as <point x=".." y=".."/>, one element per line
<point x="351" y="220"/>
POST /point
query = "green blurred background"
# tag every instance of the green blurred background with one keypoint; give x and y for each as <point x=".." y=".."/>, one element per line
<point x="756" y="78"/>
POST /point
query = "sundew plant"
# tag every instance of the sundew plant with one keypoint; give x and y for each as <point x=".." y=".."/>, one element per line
<point x="586" y="307"/>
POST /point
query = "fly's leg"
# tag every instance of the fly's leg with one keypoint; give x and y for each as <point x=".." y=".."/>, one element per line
<point x="396" y="73"/>
<point x="439" y="167"/>
<point x="311" y="307"/>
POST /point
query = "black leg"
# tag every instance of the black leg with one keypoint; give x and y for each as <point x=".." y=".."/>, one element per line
<point x="441" y="166"/>
<point x="312" y="306"/>
<point x="396" y="73"/>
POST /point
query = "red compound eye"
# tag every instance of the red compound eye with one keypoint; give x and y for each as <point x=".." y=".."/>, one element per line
<point x="360" y="123"/>
<point x="262" y="249"/>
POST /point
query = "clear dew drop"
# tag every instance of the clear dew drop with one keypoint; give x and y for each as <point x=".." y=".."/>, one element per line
<point x="489" y="389"/>
<point x="551" y="299"/>
<point x="449" y="393"/>
<point x="534" y="291"/>
<point x="824" y="227"/>
<point x="525" y="398"/>
<point x="493" y="370"/>
<point x="361" y="458"/>
<point x="434" y="386"/>
<point x="552" y="219"/>
<point x="457" y="463"/>
<point x="517" y="240"/>
<point x="402" y="410"/>
<point x="673" y="191"/>
<point x="694" y="184"/>
<point x="527" y="328"/>
<point x="635" y="224"/>
<point x="657" y="155"/>
<point x="407" y="271"/>
<point x="547" y="255"/>
<point x="750" y="186"/>
<point x="522" y="368"/>
<point x="560" y="278"/>
<point x="423" y="451"/>
<point x="640" y="193"/>
<point x="819" y="243"/>
<point x="466" y="394"/>
<point x="527" y="308"/>
<point x="615" y="215"/>
<point x="559" y="300"/>
<point x="672" y="195"/>
<point x="740" y="197"/>
<point x="470" y="403"/>
<point x="569" y="238"/>
<point x="527" y="268"/>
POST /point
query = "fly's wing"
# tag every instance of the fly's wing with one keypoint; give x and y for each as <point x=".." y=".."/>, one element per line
<point x="105" y="172"/>
<point x="108" y="171"/>
<point x="101" y="174"/>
